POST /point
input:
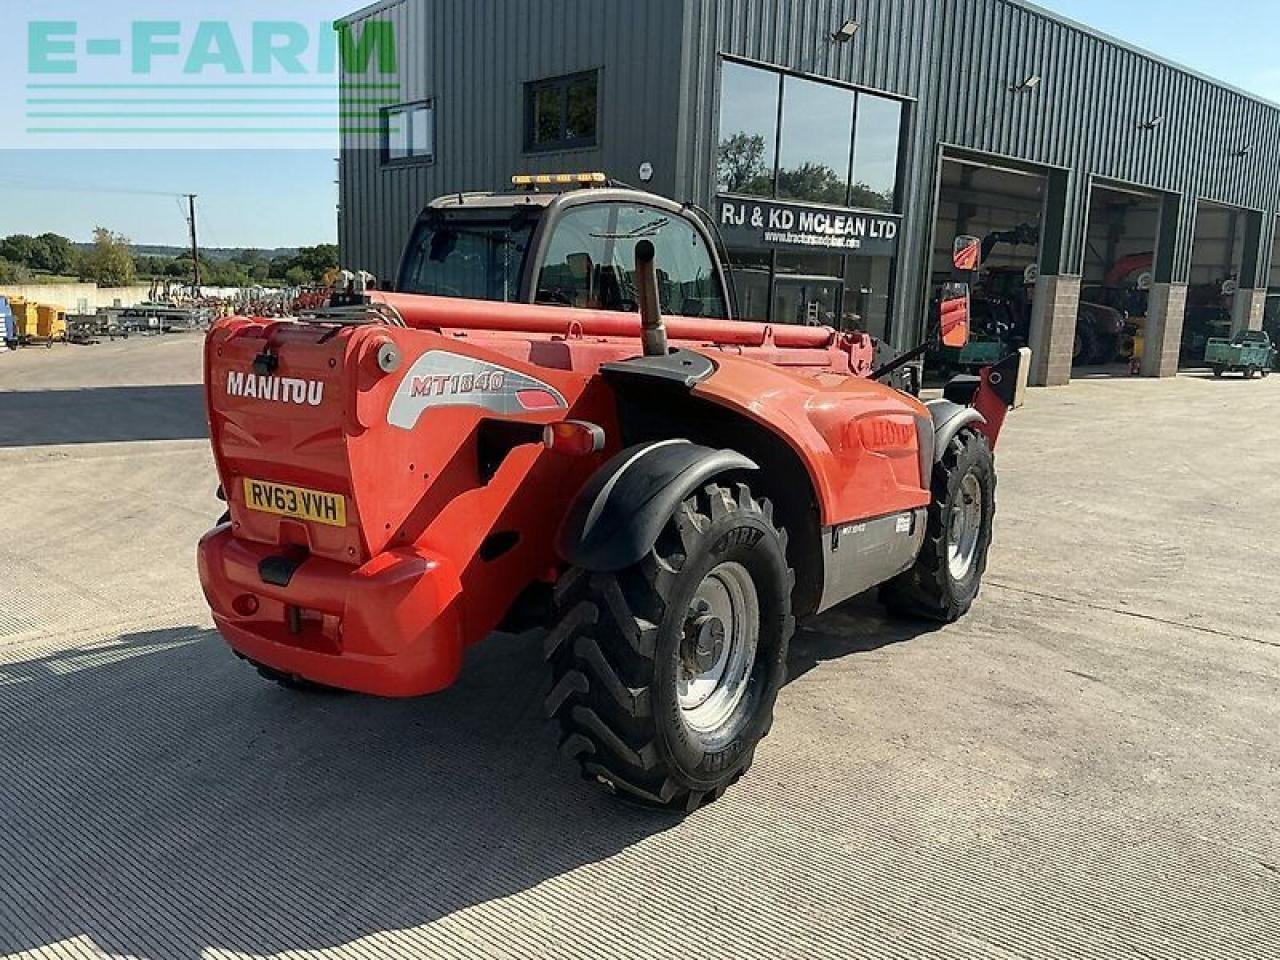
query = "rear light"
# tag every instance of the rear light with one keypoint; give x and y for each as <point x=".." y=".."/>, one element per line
<point x="575" y="438"/>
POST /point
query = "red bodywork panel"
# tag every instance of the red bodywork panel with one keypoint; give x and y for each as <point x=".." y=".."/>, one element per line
<point x="434" y="550"/>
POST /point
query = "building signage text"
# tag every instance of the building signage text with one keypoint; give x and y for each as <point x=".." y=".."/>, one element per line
<point x="770" y="224"/>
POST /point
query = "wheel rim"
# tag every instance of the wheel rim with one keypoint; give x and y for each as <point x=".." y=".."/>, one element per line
<point x="966" y="527"/>
<point x="721" y="635"/>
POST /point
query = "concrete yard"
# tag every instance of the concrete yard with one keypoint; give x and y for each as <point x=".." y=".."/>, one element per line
<point x="1088" y="766"/>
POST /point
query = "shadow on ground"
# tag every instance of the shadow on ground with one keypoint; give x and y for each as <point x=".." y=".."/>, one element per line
<point x="37" y="418"/>
<point x="159" y="799"/>
<point x="858" y="626"/>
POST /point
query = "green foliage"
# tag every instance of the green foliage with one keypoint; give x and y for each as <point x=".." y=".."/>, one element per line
<point x="297" y="277"/>
<point x="110" y="262"/>
<point x="813" y="182"/>
<point x="47" y="253"/>
<point x="11" y="272"/>
<point x="740" y="166"/>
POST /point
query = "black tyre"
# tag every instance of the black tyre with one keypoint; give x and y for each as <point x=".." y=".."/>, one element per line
<point x="1219" y="369"/>
<point x="1085" y="346"/>
<point x="664" y="676"/>
<point x="948" y="573"/>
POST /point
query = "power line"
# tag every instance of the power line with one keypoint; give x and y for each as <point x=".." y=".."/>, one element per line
<point x="53" y="186"/>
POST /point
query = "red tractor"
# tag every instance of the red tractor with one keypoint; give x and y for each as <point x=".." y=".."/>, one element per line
<point x="565" y="427"/>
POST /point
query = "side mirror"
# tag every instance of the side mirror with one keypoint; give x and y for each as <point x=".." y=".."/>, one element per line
<point x="966" y="256"/>
<point x="955" y="317"/>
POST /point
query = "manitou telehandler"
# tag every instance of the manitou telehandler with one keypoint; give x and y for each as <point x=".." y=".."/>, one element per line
<point x="562" y="425"/>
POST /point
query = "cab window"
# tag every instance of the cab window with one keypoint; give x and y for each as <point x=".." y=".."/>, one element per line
<point x="591" y="261"/>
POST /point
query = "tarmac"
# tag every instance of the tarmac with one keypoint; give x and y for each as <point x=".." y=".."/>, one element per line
<point x="1087" y="766"/>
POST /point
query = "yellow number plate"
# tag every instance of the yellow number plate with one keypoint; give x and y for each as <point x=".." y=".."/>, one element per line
<point x="275" y="498"/>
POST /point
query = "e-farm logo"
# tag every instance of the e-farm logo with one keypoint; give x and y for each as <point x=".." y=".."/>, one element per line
<point x="110" y="79"/>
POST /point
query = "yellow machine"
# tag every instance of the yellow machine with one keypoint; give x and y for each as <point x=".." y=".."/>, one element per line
<point x="51" y="323"/>
<point x="26" y="318"/>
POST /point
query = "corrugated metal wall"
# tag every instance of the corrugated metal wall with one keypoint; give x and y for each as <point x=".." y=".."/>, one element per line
<point x="956" y="59"/>
<point x="959" y="60"/>
<point x="473" y="58"/>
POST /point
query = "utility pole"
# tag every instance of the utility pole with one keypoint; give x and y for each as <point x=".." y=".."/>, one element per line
<point x="195" y="246"/>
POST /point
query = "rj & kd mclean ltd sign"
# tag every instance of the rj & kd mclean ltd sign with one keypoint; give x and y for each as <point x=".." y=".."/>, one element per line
<point x="771" y="225"/>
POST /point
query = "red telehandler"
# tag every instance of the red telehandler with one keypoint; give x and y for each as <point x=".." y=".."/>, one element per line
<point x="561" y="425"/>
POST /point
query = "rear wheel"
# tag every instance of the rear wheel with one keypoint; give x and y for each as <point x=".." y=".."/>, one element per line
<point x="1085" y="346"/>
<point x="664" y="676"/>
<point x="948" y="573"/>
<point x="1219" y="369"/>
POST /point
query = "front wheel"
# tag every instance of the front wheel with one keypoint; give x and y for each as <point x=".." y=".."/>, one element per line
<point x="947" y="575"/>
<point x="664" y="676"/>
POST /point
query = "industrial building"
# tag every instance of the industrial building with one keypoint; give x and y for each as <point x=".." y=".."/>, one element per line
<point x="841" y="145"/>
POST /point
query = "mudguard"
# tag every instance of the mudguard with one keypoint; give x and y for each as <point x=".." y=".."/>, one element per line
<point x="948" y="420"/>
<point x="619" y="514"/>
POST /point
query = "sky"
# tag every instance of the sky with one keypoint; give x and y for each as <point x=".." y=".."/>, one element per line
<point x="260" y="196"/>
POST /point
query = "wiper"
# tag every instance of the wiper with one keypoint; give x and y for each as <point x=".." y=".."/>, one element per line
<point x="644" y="231"/>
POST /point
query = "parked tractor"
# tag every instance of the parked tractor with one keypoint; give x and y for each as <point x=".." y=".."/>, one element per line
<point x="564" y="427"/>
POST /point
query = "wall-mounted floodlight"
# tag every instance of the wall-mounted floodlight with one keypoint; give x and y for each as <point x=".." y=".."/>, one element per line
<point x="848" y="30"/>
<point x="1244" y="151"/>
<point x="1151" y="123"/>
<point x="1027" y="85"/>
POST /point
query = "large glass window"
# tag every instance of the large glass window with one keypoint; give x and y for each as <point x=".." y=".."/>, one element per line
<point x="866" y="295"/>
<point x="752" y="274"/>
<point x="807" y="289"/>
<point x="836" y="146"/>
<point x="817" y="130"/>
<point x="591" y="262"/>
<point x="875" y="153"/>
<point x="748" y="130"/>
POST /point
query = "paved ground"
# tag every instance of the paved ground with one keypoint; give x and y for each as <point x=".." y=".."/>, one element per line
<point x="1088" y="766"/>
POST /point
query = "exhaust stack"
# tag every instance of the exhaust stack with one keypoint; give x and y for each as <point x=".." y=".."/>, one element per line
<point x="653" y="332"/>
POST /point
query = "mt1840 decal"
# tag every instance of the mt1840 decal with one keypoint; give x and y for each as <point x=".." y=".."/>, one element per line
<point x="442" y="379"/>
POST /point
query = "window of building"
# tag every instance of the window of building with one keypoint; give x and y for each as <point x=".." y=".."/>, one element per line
<point x="562" y="113"/>
<point x="877" y="140"/>
<point x="817" y="135"/>
<point x="591" y="262"/>
<point x="747" y="152"/>
<point x="867" y="291"/>
<point x="752" y="276"/>
<point x="836" y="146"/>
<point x="807" y="289"/>
<point x="409" y="133"/>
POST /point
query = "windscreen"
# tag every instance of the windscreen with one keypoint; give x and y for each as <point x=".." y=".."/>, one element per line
<point x="467" y="258"/>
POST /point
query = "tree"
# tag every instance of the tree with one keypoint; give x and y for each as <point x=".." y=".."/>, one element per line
<point x="110" y="262"/>
<point x="814" y="182"/>
<point x="17" y="249"/>
<point x="54" y="254"/>
<point x="740" y="166"/>
<point x="11" y="272"/>
<point x="316" y="260"/>
<point x="867" y="198"/>
<point x="297" y="277"/>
